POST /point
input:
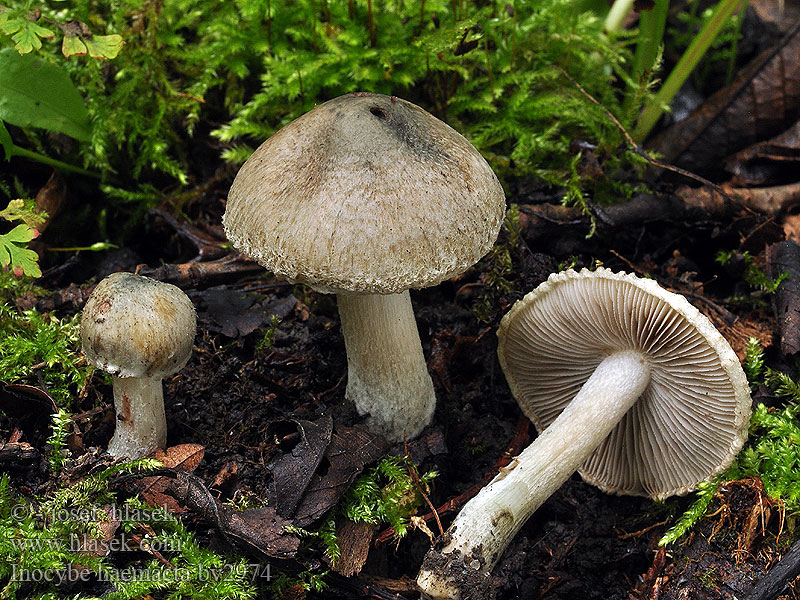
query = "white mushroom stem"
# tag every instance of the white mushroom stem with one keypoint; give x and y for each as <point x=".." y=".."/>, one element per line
<point x="386" y="373"/>
<point x="481" y="531"/>
<point x="141" y="423"/>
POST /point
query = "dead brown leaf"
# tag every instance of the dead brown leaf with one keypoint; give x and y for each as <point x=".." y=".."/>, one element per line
<point x="183" y="457"/>
<point x="292" y="473"/>
<point x="350" y="450"/>
<point x="261" y="530"/>
<point x="763" y="101"/>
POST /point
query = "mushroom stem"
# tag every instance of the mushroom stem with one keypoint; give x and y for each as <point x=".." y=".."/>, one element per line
<point x="141" y="423"/>
<point x="481" y="531"/>
<point x="386" y="373"/>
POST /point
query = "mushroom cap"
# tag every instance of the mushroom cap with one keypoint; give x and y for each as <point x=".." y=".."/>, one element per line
<point x="692" y="418"/>
<point x="365" y="193"/>
<point x="134" y="326"/>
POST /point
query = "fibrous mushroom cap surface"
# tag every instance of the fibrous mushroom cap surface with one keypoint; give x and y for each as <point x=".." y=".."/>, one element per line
<point x="365" y="193"/>
<point x="134" y="326"/>
<point x="692" y="418"/>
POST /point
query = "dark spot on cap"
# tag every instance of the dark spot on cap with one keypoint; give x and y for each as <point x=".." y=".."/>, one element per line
<point x="378" y="112"/>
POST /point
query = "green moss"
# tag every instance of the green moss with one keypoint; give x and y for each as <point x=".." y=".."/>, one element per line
<point x="495" y="72"/>
<point x="65" y="534"/>
<point x="32" y="342"/>
<point x="761" y="283"/>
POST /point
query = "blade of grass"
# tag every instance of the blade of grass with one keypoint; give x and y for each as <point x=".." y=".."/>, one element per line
<point x="699" y="46"/>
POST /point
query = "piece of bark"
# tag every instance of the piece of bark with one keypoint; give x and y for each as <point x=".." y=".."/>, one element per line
<point x="16" y="455"/>
<point x="763" y="101"/>
<point x="354" y="543"/>
<point x="687" y="204"/>
<point x="70" y="298"/>
<point x="198" y="275"/>
<point x="771" y="201"/>
<point x="784" y="257"/>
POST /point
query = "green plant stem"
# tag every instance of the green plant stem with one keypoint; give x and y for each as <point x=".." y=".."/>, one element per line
<point x="616" y="16"/>
<point x="23" y="153"/>
<point x="685" y="66"/>
<point x="651" y="32"/>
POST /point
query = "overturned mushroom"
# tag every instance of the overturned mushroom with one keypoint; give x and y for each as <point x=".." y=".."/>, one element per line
<point x="368" y="196"/>
<point x="139" y="330"/>
<point x="626" y="382"/>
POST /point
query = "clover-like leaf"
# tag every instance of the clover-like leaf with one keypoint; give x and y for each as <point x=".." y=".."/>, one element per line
<point x="72" y="45"/>
<point x="21" y="260"/>
<point x="104" y="46"/>
<point x="26" y="33"/>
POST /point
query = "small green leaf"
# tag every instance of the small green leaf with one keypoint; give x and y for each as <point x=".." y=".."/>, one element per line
<point x="24" y="262"/>
<point x="21" y="260"/>
<point x="35" y="93"/>
<point x="5" y="141"/>
<point x="24" y="210"/>
<point x="9" y="24"/>
<point x="20" y="234"/>
<point x="27" y="34"/>
<point x="72" y="45"/>
<point x="104" y="46"/>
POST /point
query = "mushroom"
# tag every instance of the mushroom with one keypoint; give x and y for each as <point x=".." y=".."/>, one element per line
<point x="367" y="196"/>
<point x="139" y="330"/>
<point x="626" y="382"/>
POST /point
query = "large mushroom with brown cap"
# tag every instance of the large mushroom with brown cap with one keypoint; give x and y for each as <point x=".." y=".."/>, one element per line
<point x="627" y="383"/>
<point x="367" y="196"/>
<point x="139" y="330"/>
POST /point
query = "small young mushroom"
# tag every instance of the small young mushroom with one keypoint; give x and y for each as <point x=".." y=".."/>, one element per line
<point x="139" y="330"/>
<point x="627" y="383"/>
<point x="367" y="196"/>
